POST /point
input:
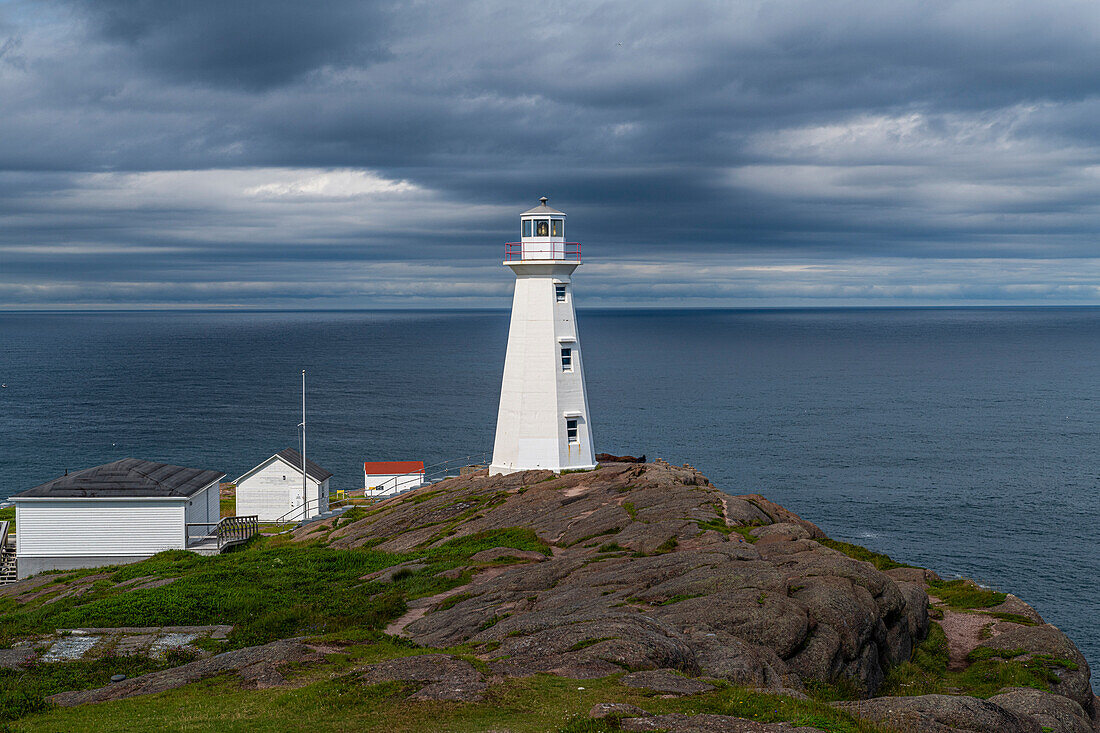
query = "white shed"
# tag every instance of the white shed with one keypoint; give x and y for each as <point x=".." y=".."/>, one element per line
<point x="119" y="512"/>
<point x="383" y="478"/>
<point x="273" y="489"/>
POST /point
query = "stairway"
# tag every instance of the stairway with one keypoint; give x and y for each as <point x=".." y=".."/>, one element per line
<point x="7" y="564"/>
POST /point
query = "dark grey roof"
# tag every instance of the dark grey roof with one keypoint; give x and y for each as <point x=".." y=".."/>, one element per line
<point x="130" y="477"/>
<point x="294" y="458"/>
<point x="543" y="209"/>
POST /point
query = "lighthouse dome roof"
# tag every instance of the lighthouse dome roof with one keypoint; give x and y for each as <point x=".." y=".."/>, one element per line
<point x="542" y="208"/>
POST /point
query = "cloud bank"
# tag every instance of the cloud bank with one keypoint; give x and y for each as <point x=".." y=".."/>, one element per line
<point x="348" y="154"/>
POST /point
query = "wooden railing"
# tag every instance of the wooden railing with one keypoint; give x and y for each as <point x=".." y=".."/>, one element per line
<point x="235" y="530"/>
<point x="227" y="532"/>
<point x="8" y="572"/>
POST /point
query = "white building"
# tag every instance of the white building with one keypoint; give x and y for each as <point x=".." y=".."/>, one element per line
<point x="383" y="478"/>
<point x="119" y="512"/>
<point x="543" y="419"/>
<point x="273" y="489"/>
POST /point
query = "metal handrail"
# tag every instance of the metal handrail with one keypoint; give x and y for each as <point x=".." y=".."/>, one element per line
<point x="436" y="470"/>
<point x="303" y="509"/>
<point x="431" y="474"/>
<point x="521" y="251"/>
<point x="4" y="534"/>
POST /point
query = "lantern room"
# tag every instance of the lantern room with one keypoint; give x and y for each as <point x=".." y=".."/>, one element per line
<point x="542" y="237"/>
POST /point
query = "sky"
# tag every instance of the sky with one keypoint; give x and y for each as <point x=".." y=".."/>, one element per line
<point x="204" y="153"/>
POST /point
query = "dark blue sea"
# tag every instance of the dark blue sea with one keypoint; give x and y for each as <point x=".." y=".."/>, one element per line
<point x="964" y="440"/>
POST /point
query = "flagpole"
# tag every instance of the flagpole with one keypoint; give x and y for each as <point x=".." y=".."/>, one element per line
<point x="305" y="493"/>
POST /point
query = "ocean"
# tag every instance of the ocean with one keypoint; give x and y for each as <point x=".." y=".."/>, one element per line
<point x="964" y="440"/>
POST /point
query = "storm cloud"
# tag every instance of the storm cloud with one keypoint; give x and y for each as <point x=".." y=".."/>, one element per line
<point x="347" y="154"/>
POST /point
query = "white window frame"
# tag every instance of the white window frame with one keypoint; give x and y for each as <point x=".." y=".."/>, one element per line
<point x="572" y="430"/>
<point x="560" y="292"/>
<point x="566" y="358"/>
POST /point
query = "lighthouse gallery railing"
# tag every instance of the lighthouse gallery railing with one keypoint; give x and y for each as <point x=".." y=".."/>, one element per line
<point x="520" y="251"/>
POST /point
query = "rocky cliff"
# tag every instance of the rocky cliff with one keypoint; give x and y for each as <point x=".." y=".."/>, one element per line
<point x="652" y="568"/>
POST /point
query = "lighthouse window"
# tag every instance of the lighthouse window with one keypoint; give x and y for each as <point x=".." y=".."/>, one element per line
<point x="567" y="360"/>
<point x="559" y="293"/>
<point x="527" y="227"/>
<point x="542" y="228"/>
<point x="571" y="430"/>
<point x="557" y="227"/>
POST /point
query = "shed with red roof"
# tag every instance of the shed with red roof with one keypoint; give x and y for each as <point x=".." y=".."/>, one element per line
<point x="382" y="478"/>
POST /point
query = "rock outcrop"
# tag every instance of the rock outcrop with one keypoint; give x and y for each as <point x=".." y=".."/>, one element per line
<point x="652" y="567"/>
<point x="653" y="571"/>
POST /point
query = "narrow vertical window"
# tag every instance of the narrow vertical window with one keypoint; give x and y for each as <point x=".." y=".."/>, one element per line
<point x="559" y="293"/>
<point x="557" y="227"/>
<point x="567" y="360"/>
<point x="542" y="228"/>
<point x="571" y="429"/>
<point x="527" y="227"/>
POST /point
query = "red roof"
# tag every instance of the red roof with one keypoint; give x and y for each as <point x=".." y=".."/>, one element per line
<point x="377" y="468"/>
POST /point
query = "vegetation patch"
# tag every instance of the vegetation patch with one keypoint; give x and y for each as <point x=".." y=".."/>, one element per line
<point x="963" y="593"/>
<point x="718" y="524"/>
<point x="270" y="590"/>
<point x="667" y="546"/>
<point x="454" y="600"/>
<point x="352" y="515"/>
<point x="23" y="692"/>
<point x="746" y="532"/>
<point x="630" y="509"/>
<point x="590" y="642"/>
<point x="880" y="561"/>
<point x="679" y="597"/>
<point x="1013" y="617"/>
<point x="333" y="698"/>
<point x="989" y="670"/>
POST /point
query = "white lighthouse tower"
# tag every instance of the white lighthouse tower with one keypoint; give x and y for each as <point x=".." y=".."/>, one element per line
<point x="543" y="421"/>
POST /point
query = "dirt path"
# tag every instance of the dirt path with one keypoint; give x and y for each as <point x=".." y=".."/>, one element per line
<point x="963" y="631"/>
<point x="419" y="608"/>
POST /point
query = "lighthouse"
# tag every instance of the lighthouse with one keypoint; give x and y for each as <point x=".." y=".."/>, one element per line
<point x="543" y="419"/>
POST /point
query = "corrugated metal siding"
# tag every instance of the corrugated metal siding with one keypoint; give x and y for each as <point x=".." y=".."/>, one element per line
<point x="100" y="527"/>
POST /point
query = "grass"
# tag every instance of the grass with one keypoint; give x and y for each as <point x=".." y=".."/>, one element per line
<point x="8" y="513"/>
<point x="964" y="594"/>
<point x="332" y="698"/>
<point x="667" y="546"/>
<point x="1014" y="618"/>
<point x="746" y="532"/>
<point x="880" y="561"/>
<point x="23" y="692"/>
<point x="718" y="524"/>
<point x="989" y="671"/>
<point x="629" y="507"/>
<point x="267" y="591"/>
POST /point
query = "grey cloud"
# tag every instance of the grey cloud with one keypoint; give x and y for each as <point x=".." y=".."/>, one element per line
<point x="943" y="130"/>
<point x="245" y="43"/>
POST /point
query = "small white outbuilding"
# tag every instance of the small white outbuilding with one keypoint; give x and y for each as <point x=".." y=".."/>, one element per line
<point x="116" y="513"/>
<point x="384" y="478"/>
<point x="273" y="489"/>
